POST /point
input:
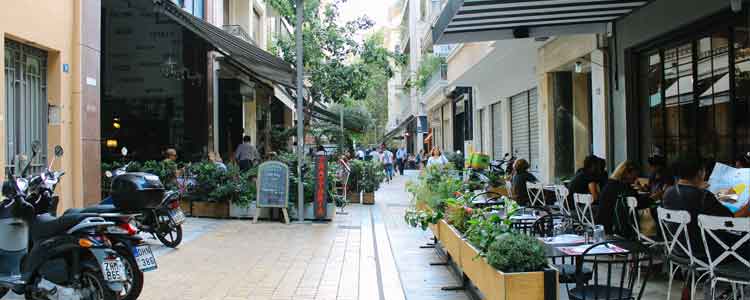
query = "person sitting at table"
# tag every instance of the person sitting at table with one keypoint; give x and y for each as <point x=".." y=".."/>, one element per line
<point x="660" y="177"/>
<point x="586" y="180"/>
<point x="519" y="180"/>
<point x="742" y="161"/>
<point x="619" y="186"/>
<point x="690" y="194"/>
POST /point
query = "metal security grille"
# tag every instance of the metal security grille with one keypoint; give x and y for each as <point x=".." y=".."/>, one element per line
<point x="497" y="131"/>
<point x="525" y="127"/>
<point x="25" y="102"/>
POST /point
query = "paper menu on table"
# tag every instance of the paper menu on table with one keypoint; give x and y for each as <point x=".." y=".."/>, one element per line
<point x="601" y="249"/>
<point x="725" y="178"/>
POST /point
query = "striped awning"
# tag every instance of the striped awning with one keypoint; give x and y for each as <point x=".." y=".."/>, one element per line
<point x="463" y="21"/>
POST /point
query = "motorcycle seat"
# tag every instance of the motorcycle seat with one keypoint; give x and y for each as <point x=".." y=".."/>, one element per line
<point x="96" y="209"/>
<point x="46" y="226"/>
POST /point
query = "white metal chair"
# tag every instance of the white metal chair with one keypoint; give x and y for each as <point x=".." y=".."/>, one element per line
<point x="509" y="187"/>
<point x="561" y="193"/>
<point x="644" y="239"/>
<point x="582" y="203"/>
<point x="679" y="253"/>
<point x="535" y="191"/>
<point x="730" y="234"/>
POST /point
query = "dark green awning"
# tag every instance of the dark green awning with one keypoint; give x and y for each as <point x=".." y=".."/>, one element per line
<point x="245" y="56"/>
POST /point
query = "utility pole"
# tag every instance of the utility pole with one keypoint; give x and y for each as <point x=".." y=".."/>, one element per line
<point x="300" y="113"/>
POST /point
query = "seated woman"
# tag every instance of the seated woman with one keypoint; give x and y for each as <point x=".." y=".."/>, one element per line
<point x="586" y="180"/>
<point x="690" y="194"/>
<point x="619" y="186"/>
<point x="660" y="178"/>
<point x="519" y="180"/>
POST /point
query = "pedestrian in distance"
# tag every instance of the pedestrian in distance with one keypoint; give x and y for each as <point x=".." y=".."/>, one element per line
<point x="437" y="158"/>
<point x="386" y="157"/>
<point x="246" y="154"/>
<point x="401" y="156"/>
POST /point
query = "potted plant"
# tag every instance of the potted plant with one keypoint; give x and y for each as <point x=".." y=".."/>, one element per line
<point x="372" y="176"/>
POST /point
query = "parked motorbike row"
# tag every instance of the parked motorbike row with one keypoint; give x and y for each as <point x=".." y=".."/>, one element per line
<point x="94" y="253"/>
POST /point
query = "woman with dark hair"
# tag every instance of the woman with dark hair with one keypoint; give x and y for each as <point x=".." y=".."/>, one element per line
<point x="520" y="178"/>
<point x="660" y="177"/>
<point x="587" y="179"/>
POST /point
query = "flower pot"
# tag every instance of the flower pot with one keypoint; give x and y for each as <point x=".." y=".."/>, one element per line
<point x="451" y="240"/>
<point x="497" y="285"/>
<point x="310" y="212"/>
<point x="353" y="197"/>
<point x="237" y="211"/>
<point x="368" y="198"/>
<point x="210" y="209"/>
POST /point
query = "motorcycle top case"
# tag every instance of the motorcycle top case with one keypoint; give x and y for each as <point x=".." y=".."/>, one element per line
<point x="136" y="191"/>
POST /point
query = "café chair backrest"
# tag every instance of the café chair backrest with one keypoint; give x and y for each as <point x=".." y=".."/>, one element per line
<point x="582" y="203"/>
<point x="633" y="212"/>
<point x="674" y="230"/>
<point x="561" y="193"/>
<point x="536" y="193"/>
<point x="715" y="229"/>
<point x="616" y="276"/>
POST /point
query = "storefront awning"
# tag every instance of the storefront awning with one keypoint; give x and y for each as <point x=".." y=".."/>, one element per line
<point x="463" y="21"/>
<point x="248" y="58"/>
<point x="398" y="129"/>
<point x="284" y="97"/>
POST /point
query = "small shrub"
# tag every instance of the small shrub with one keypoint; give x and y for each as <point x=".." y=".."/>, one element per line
<point x="516" y="253"/>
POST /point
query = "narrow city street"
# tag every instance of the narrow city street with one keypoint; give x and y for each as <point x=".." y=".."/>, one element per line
<point x="368" y="253"/>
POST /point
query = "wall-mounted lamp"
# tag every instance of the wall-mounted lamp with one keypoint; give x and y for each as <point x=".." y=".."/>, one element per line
<point x="736" y="5"/>
<point x="579" y="67"/>
<point x="111" y="143"/>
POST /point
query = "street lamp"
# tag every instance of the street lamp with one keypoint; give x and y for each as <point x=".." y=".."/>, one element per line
<point x="300" y="112"/>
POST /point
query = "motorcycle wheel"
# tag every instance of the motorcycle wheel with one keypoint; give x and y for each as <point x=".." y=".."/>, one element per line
<point x="93" y="286"/>
<point x="172" y="237"/>
<point x="3" y="291"/>
<point x="134" y="285"/>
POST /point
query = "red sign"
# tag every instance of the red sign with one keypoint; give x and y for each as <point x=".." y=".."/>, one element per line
<point x="320" y="201"/>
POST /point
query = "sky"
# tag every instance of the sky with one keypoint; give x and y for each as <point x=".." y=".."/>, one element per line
<point x="377" y="10"/>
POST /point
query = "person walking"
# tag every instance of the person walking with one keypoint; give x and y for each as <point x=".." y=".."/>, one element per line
<point x="401" y="156"/>
<point x="386" y="157"/>
<point x="246" y="154"/>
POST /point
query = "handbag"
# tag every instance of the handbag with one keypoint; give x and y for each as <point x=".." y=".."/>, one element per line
<point x="647" y="222"/>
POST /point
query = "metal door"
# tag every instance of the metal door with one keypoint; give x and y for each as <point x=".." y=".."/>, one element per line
<point x="25" y="102"/>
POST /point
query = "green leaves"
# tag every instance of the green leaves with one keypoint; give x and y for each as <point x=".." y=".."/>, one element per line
<point x="422" y="219"/>
<point x="514" y="253"/>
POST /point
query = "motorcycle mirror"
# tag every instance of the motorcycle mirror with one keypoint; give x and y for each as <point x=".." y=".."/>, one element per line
<point x="108" y="174"/>
<point x="35" y="146"/>
<point x="124" y="151"/>
<point x="59" y="151"/>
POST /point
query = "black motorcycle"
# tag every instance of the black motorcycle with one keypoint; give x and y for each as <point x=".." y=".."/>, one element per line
<point x="49" y="258"/>
<point x="123" y="234"/>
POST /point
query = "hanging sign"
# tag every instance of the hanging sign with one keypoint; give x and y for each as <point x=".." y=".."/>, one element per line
<point x="321" y="187"/>
<point x="273" y="184"/>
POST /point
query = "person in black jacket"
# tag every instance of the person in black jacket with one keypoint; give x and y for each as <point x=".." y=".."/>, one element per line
<point x="618" y="188"/>
<point x="519" y="180"/>
<point x="586" y="180"/>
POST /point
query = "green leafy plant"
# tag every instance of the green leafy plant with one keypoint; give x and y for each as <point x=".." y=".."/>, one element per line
<point x="515" y="253"/>
<point x="457" y="159"/>
<point x="458" y="211"/>
<point x="422" y="219"/>
<point x="482" y="229"/>
<point x="372" y="176"/>
<point x="430" y="64"/>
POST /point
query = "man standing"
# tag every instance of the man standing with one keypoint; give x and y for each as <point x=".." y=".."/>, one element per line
<point x="246" y="154"/>
<point x="401" y="156"/>
<point x="386" y="157"/>
<point x="374" y="155"/>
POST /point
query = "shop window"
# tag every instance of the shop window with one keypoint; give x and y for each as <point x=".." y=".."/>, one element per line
<point x="685" y="98"/>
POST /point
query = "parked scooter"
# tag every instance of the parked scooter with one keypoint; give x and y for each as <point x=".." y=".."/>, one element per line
<point x="158" y="212"/>
<point x="137" y="255"/>
<point x="48" y="258"/>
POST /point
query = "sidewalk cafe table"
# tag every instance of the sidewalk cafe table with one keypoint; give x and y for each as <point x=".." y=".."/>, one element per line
<point x="570" y="245"/>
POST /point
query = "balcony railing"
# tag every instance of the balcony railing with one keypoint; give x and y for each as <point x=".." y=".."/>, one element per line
<point x="238" y="31"/>
<point x="440" y="75"/>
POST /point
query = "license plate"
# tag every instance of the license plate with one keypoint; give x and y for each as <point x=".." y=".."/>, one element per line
<point x="178" y="217"/>
<point x="113" y="270"/>
<point x="145" y="258"/>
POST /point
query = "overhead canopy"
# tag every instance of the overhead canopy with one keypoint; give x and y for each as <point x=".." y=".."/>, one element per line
<point x="463" y="21"/>
<point x="245" y="56"/>
<point x="391" y="134"/>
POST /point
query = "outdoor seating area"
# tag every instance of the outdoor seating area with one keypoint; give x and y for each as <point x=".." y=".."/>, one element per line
<point x="642" y="246"/>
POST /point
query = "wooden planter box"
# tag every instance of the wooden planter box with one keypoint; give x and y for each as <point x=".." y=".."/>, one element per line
<point x="421" y="206"/>
<point x="353" y="197"/>
<point x="236" y="211"/>
<point x="496" y="285"/>
<point x="452" y="241"/>
<point x="310" y="211"/>
<point x="186" y="207"/>
<point x="210" y="209"/>
<point x="368" y="198"/>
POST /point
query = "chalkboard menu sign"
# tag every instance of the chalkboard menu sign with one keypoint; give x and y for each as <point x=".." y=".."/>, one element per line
<point x="321" y="186"/>
<point x="273" y="184"/>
